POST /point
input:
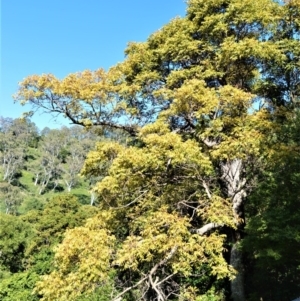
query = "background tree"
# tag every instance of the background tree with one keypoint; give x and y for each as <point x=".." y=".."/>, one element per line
<point x="27" y="243"/>
<point x="49" y="162"/>
<point x="273" y="225"/>
<point x="15" y="235"/>
<point x="11" y="197"/>
<point x="79" y="143"/>
<point x="16" y="135"/>
<point x="11" y="154"/>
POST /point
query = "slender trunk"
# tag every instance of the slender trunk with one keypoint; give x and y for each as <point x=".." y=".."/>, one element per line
<point x="8" y="175"/>
<point x="36" y="179"/>
<point x="41" y="190"/>
<point x="55" y="185"/>
<point x="43" y="186"/>
<point x="8" y="207"/>
<point x="69" y="185"/>
<point x="93" y="198"/>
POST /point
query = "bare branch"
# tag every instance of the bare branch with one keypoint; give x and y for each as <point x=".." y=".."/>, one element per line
<point x="209" y="143"/>
<point x="165" y="279"/>
<point x="208" y="227"/>
<point x="118" y="297"/>
<point x="206" y="189"/>
<point x="155" y="284"/>
<point x="132" y="202"/>
<point x="156" y="287"/>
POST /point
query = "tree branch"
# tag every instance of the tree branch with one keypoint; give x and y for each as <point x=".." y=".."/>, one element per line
<point x="155" y="283"/>
<point x="208" y="227"/>
<point x="209" y="143"/>
<point x="118" y="297"/>
<point x="206" y="189"/>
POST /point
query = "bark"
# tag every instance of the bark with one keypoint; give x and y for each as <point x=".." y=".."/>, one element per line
<point x="235" y="186"/>
<point x="237" y="284"/>
<point x="232" y="176"/>
<point x="69" y="185"/>
<point x="208" y="227"/>
<point x="93" y="198"/>
<point x="55" y="185"/>
<point x="44" y="184"/>
<point x="36" y="179"/>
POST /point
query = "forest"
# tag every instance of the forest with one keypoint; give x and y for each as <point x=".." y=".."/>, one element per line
<point x="179" y="178"/>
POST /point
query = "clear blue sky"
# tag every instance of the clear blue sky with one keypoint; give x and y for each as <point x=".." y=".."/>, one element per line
<point x="65" y="36"/>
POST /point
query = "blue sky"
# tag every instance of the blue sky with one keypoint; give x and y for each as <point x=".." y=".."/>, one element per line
<point x="65" y="36"/>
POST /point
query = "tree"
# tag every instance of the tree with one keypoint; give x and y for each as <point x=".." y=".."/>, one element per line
<point x="72" y="167"/>
<point x="60" y="213"/>
<point x="273" y="225"/>
<point x="27" y="243"/>
<point x="79" y="143"/>
<point x="93" y="253"/>
<point x="15" y="235"/>
<point x="11" y="155"/>
<point x="26" y="131"/>
<point x="11" y="197"/>
<point x="19" y="287"/>
<point x="203" y="99"/>
<point x="48" y="168"/>
<point x="16" y="135"/>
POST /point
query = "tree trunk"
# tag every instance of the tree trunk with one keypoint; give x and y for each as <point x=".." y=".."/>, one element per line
<point x="237" y="284"/>
<point x="55" y="185"/>
<point x="235" y="183"/>
<point x="69" y="185"/>
<point x="36" y="179"/>
<point x="93" y="198"/>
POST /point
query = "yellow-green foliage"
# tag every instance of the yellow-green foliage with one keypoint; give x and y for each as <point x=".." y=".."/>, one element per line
<point x="159" y="233"/>
<point x="82" y="261"/>
<point x="203" y="98"/>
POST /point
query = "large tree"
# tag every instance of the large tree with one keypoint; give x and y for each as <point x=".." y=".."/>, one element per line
<point x="203" y="99"/>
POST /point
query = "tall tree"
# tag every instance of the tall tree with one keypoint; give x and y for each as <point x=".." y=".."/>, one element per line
<point x="48" y="168"/>
<point x="203" y="99"/>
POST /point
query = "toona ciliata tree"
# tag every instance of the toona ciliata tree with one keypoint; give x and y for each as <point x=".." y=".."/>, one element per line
<point x="202" y="100"/>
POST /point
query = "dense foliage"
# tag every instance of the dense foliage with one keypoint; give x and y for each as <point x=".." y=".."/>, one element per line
<point x="199" y="198"/>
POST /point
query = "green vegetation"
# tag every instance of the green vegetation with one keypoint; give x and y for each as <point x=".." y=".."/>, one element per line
<point x="36" y="166"/>
<point x="193" y="179"/>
